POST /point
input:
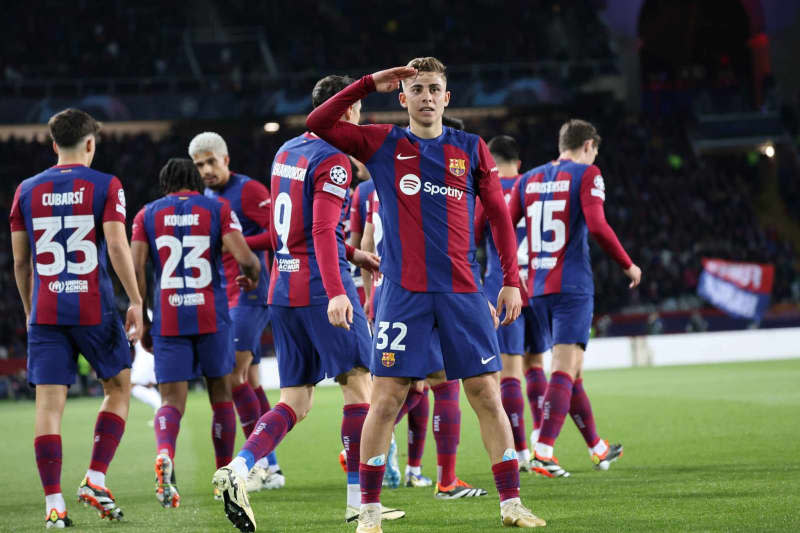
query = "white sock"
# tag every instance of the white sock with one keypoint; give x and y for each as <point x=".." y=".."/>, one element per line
<point x="524" y="455"/>
<point x="543" y="450"/>
<point x="262" y="463"/>
<point x="354" y="495"/>
<point x="365" y="506"/>
<point x="272" y="468"/>
<point x="510" y="500"/>
<point x="416" y="470"/>
<point x="599" y="448"/>
<point x="148" y="395"/>
<point x="239" y="466"/>
<point x="54" y="501"/>
<point x="96" y="478"/>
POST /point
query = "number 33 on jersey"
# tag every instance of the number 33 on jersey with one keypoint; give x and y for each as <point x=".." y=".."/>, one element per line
<point x="184" y="234"/>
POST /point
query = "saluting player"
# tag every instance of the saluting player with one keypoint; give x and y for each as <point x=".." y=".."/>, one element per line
<point x="562" y="202"/>
<point x="182" y="234"/>
<point x="311" y="287"/>
<point x="250" y="200"/>
<point x="62" y="222"/>
<point x="427" y="177"/>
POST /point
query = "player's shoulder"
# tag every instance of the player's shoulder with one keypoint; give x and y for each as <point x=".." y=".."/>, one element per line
<point x="463" y="139"/>
<point x="536" y="171"/>
<point x="578" y="170"/>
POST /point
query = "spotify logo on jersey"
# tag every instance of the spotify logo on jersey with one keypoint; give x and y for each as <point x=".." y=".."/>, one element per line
<point x="410" y="184"/>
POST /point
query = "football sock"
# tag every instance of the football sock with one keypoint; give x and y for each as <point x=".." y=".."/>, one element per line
<point x="48" y="460"/>
<point x="108" y="432"/>
<point x="247" y="407"/>
<point x="412" y="399"/>
<point x="600" y="448"/>
<point x="536" y="387"/>
<point x="54" y="501"/>
<point x="223" y="432"/>
<point x="269" y="431"/>
<point x="506" y="479"/>
<point x="446" y="429"/>
<point x="262" y="399"/>
<point x="147" y="395"/>
<point x="371" y="478"/>
<point x="580" y="409"/>
<point x="167" y="423"/>
<point x="514" y="405"/>
<point x="416" y="470"/>
<point x="352" y="421"/>
<point x="418" y="429"/>
<point x="555" y="409"/>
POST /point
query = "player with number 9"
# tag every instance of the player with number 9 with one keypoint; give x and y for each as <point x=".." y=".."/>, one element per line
<point x="562" y="202"/>
<point x="62" y="222"/>
<point x="182" y="234"/>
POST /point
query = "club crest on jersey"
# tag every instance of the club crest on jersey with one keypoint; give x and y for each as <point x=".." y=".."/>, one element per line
<point x="458" y="167"/>
<point x="388" y="359"/>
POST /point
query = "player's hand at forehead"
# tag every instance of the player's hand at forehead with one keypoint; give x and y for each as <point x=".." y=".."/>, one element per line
<point x="389" y="80"/>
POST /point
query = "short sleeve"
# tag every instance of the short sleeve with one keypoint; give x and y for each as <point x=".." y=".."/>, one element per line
<point x="138" y="232"/>
<point x="15" y="218"/>
<point x="593" y="189"/>
<point x="115" y="202"/>
<point x="255" y="203"/>
<point x="333" y="176"/>
<point x="228" y="219"/>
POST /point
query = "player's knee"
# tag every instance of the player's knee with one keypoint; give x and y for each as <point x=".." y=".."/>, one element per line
<point x="482" y="390"/>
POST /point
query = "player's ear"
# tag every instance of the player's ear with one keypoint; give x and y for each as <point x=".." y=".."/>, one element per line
<point x="446" y="98"/>
<point x="55" y="147"/>
<point x="90" y="144"/>
<point x="402" y="97"/>
<point x="227" y="159"/>
<point x="519" y="164"/>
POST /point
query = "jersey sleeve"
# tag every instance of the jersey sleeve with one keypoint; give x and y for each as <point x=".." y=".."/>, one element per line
<point x="333" y="176"/>
<point x="372" y="207"/>
<point x="228" y="220"/>
<point x="138" y="232"/>
<point x="359" y="141"/>
<point x="494" y="203"/>
<point x="16" y="218"/>
<point x="256" y="203"/>
<point x="356" y="223"/>
<point x="593" y="194"/>
<point x="515" y="207"/>
<point x="115" y="202"/>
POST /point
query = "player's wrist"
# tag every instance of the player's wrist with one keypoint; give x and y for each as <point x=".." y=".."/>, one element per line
<point x="369" y="83"/>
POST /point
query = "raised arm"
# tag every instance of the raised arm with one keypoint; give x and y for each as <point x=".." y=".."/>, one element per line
<point x="358" y="141"/>
<point x="592" y="198"/>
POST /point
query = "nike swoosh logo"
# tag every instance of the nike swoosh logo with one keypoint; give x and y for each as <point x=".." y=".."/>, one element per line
<point x="484" y="361"/>
<point x="401" y="157"/>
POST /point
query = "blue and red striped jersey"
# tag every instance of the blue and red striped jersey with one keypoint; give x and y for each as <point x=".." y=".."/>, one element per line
<point x="304" y="167"/>
<point x="552" y="198"/>
<point x="359" y="212"/>
<point x="250" y="200"/>
<point x="184" y="233"/>
<point x="63" y="210"/>
<point x="493" y="276"/>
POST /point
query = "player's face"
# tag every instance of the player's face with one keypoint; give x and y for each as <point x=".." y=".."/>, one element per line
<point x="425" y="97"/>
<point x="213" y="169"/>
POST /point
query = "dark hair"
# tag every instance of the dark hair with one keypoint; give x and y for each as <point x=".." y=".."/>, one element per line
<point x="504" y="148"/>
<point x="69" y="126"/>
<point x="453" y="122"/>
<point x="327" y="87"/>
<point x="574" y="133"/>
<point x="179" y="173"/>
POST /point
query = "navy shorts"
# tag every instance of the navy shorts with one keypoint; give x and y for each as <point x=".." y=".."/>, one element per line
<point x="511" y="338"/>
<point x="249" y="322"/>
<point x="562" y="318"/>
<point x="53" y="350"/>
<point x="405" y="325"/>
<point x="185" y="357"/>
<point x="309" y="347"/>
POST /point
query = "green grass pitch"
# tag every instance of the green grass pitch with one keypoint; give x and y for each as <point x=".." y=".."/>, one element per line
<point x="707" y="448"/>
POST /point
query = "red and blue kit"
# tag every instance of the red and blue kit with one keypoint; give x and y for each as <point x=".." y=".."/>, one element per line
<point x="359" y="212"/>
<point x="251" y="202"/>
<point x="562" y="202"/>
<point x="63" y="210"/>
<point x="191" y="325"/>
<point x="309" y="185"/>
<point x="427" y="189"/>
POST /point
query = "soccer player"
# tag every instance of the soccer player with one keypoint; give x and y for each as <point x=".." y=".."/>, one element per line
<point x="143" y="377"/>
<point x="182" y="234"/>
<point x="311" y="288"/>
<point x="359" y="211"/>
<point x="250" y="200"/>
<point x="511" y="338"/>
<point x="62" y="222"/>
<point x="427" y="177"/>
<point x="562" y="201"/>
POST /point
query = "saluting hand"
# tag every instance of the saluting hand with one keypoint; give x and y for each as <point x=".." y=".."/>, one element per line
<point x="389" y="80"/>
<point x="340" y="311"/>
